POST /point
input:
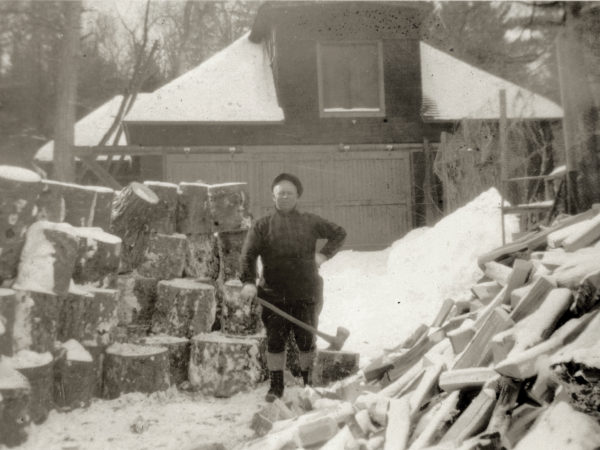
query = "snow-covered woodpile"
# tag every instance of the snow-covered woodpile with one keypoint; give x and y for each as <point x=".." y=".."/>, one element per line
<point x="106" y="292"/>
<point x="515" y="365"/>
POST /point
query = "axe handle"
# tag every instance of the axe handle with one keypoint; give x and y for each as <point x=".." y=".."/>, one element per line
<point x="295" y="321"/>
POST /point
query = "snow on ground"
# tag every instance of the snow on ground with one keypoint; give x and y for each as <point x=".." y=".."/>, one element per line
<point x="379" y="296"/>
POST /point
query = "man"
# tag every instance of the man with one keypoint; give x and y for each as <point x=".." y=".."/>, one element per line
<point x="286" y="241"/>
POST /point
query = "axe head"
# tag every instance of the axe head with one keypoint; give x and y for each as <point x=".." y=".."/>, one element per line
<point x="339" y="339"/>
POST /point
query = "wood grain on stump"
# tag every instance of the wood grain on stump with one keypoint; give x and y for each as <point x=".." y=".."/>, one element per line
<point x="166" y="216"/>
<point x="135" y="368"/>
<point x="164" y="257"/>
<point x="238" y="317"/>
<point x="230" y="250"/>
<point x="179" y="355"/>
<point x="19" y="190"/>
<point x="98" y="255"/>
<point x="193" y="216"/>
<point x="228" y="204"/>
<point x="14" y="400"/>
<point x="134" y="208"/>
<point x="184" y="308"/>
<point x="37" y="321"/>
<point x="223" y="365"/>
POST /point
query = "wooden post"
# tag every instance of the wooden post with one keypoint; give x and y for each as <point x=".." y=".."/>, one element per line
<point x="443" y="149"/>
<point x="64" y="133"/>
<point x="503" y="150"/>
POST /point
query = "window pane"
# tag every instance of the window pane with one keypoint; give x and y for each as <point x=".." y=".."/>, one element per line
<point x="336" y="77"/>
<point x="365" y="76"/>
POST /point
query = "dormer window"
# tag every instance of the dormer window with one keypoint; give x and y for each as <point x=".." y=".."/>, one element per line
<point x="350" y="76"/>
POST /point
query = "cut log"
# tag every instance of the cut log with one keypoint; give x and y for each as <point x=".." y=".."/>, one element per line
<point x="464" y="379"/>
<point x="19" y="189"/>
<point x="134" y="208"/>
<point x="135" y="368"/>
<point x="534" y="297"/>
<point x="137" y="299"/>
<point x="37" y="321"/>
<point x="443" y="313"/>
<point x="486" y="291"/>
<point x="97" y="351"/>
<point x="48" y="258"/>
<point x="184" y="308"/>
<point x="238" y="317"/>
<point x="8" y="304"/>
<point x="165" y="221"/>
<point x="584" y="236"/>
<point x="230" y="249"/>
<point x="72" y="311"/>
<point x="50" y="203"/>
<point x="478" y="350"/>
<point x="193" y="215"/>
<point x="38" y="369"/>
<point x="473" y="419"/>
<point x="98" y="256"/>
<point x="560" y="426"/>
<point x="223" y="365"/>
<point x="15" y="392"/>
<point x="179" y="355"/>
<point x="86" y="206"/>
<point x="202" y="257"/>
<point x="398" y="430"/>
<point x="164" y="257"/>
<point x="228" y="204"/>
<point x="332" y="365"/>
<point x="435" y="426"/>
<point x="74" y="377"/>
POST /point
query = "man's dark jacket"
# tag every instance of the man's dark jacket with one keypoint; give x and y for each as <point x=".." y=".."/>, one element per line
<point x="286" y="244"/>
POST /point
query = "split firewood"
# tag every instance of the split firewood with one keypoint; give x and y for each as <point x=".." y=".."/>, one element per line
<point x="443" y="313"/>
<point x="134" y="208"/>
<point x="193" y="216"/>
<point x="583" y="236"/>
<point x="424" y="389"/>
<point x="573" y="272"/>
<point x="470" y="378"/>
<point x="98" y="255"/>
<point x="262" y="420"/>
<point x="522" y="419"/>
<point x="165" y="221"/>
<point x="441" y="353"/>
<point x="497" y="272"/>
<point x="343" y="439"/>
<point x="351" y="387"/>
<point x="135" y="368"/>
<point x="364" y="422"/>
<point x="534" y="328"/>
<point x="398" y="387"/>
<point x="556" y="238"/>
<point x="486" y="291"/>
<point x="473" y="419"/>
<point x="48" y="258"/>
<point x="506" y="402"/>
<point x="460" y="337"/>
<point x="398" y="429"/>
<point x="15" y="392"/>
<point x="434" y="427"/>
<point x="19" y="189"/>
<point x="587" y="295"/>
<point x="560" y="426"/>
<point x="532" y="299"/>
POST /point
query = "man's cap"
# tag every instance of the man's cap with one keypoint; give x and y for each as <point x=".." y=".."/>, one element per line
<point x="288" y="177"/>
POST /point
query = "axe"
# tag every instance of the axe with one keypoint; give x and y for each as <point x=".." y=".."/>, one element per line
<point x="336" y="342"/>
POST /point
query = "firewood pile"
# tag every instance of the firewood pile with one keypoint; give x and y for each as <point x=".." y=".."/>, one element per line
<point x="514" y="365"/>
<point x="106" y="292"/>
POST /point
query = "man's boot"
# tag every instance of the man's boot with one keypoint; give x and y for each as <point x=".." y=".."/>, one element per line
<point x="306" y="377"/>
<point x="276" y="388"/>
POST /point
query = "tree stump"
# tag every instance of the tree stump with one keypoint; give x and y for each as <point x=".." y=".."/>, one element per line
<point x="166" y="215"/>
<point x="97" y="351"/>
<point x="37" y="321"/>
<point x="15" y="393"/>
<point x="8" y="303"/>
<point x="50" y="203"/>
<point x="135" y="368"/>
<point x="223" y="365"/>
<point x="98" y="256"/>
<point x="179" y="355"/>
<point x="184" y="308"/>
<point x="331" y="365"/>
<point x="48" y="258"/>
<point x="134" y="208"/>
<point x="202" y="257"/>
<point x="145" y="290"/>
<point x="137" y="298"/>
<point x="38" y="369"/>
<point x="228" y="204"/>
<point x="193" y="216"/>
<point x="164" y="257"/>
<point x="230" y="250"/>
<point x="19" y="189"/>
<point x="74" y="377"/>
<point x="85" y="206"/>
<point x="72" y="311"/>
<point x="239" y="317"/>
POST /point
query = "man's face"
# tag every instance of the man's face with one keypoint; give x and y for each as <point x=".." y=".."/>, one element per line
<point x="285" y="196"/>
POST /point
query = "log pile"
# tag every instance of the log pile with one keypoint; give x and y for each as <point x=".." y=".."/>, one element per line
<point x="514" y="366"/>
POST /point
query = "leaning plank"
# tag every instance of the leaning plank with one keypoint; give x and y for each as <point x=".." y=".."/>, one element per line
<point x="477" y="351"/>
<point x="584" y="236"/>
<point x="444" y="414"/>
<point x="562" y="427"/>
<point x="534" y="297"/>
<point x="398" y="429"/>
<point x="470" y="378"/>
<point x="473" y="419"/>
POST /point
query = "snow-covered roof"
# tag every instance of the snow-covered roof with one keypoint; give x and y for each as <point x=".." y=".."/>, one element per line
<point x="90" y="129"/>
<point x="453" y="90"/>
<point x="234" y="85"/>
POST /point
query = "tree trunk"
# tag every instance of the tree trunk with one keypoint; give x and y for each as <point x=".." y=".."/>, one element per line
<point x="19" y="189"/>
<point x="192" y="209"/>
<point x="36" y="325"/>
<point x="135" y="368"/>
<point x="39" y="373"/>
<point x="228" y="204"/>
<point x="74" y="378"/>
<point x="166" y="216"/>
<point x="98" y="256"/>
<point x="8" y="303"/>
<point x="164" y="257"/>
<point x="85" y="206"/>
<point x="97" y="351"/>
<point x="179" y="355"/>
<point x="230" y="250"/>
<point x="238" y="317"/>
<point x="15" y="393"/>
<point x="202" y="259"/>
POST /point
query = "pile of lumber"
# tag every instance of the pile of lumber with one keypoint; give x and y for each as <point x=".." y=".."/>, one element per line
<point x="515" y="364"/>
<point x="104" y="293"/>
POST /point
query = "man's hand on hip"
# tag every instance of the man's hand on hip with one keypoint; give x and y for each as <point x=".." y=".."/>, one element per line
<point x="320" y="258"/>
<point x="248" y="292"/>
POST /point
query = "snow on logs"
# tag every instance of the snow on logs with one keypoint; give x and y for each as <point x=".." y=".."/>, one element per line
<point x="74" y="376"/>
<point x="19" y="189"/>
<point x="184" y="308"/>
<point x="15" y="392"/>
<point x="98" y="255"/>
<point x="135" y="368"/>
<point x="133" y="209"/>
<point x="222" y="365"/>
<point x="36" y="321"/>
